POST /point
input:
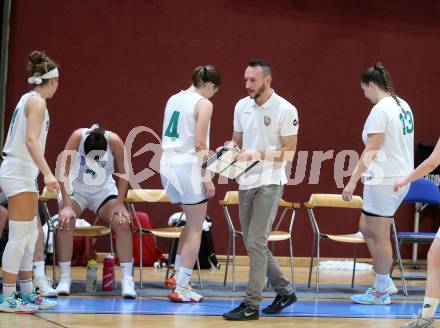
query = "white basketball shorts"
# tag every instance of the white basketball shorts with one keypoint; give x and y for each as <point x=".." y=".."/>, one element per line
<point x="18" y="175"/>
<point x="181" y="177"/>
<point x="92" y="198"/>
<point x="381" y="200"/>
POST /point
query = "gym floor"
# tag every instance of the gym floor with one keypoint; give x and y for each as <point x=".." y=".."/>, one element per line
<point x="76" y="311"/>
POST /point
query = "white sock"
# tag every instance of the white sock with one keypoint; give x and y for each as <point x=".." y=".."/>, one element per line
<point x="429" y="307"/>
<point x="127" y="269"/>
<point x="184" y="276"/>
<point x="381" y="282"/>
<point x="177" y="262"/>
<point x="26" y="286"/>
<point x="65" y="269"/>
<point x="9" y="289"/>
<point x="38" y="269"/>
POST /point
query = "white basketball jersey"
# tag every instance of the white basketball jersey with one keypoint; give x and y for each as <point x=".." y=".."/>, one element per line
<point x="90" y="172"/>
<point x="396" y="156"/>
<point x="15" y="144"/>
<point x="179" y="124"/>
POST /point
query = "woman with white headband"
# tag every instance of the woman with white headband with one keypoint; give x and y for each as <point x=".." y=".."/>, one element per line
<point x="23" y="155"/>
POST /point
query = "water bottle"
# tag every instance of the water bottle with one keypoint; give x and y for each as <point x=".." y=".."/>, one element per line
<point x="92" y="267"/>
<point x="108" y="273"/>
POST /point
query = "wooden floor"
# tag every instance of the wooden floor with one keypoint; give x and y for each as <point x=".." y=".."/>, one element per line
<point x="124" y="320"/>
<point x="104" y="320"/>
<point x="45" y="320"/>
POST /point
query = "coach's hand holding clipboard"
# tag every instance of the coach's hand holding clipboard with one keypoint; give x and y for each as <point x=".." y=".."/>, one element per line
<point x="231" y="162"/>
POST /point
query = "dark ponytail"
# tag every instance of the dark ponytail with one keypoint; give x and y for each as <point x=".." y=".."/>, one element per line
<point x="378" y="75"/>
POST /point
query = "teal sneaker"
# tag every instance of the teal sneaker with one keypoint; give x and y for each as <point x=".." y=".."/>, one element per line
<point x="390" y="288"/>
<point x="42" y="303"/>
<point x="372" y="296"/>
<point x="16" y="305"/>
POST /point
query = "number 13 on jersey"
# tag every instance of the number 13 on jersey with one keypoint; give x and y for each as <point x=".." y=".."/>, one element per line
<point x="171" y="130"/>
<point x="407" y="122"/>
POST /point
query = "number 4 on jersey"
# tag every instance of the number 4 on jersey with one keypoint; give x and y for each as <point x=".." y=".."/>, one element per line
<point x="172" y="126"/>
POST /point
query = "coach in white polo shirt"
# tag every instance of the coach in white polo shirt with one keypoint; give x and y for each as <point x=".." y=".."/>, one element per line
<point x="265" y="128"/>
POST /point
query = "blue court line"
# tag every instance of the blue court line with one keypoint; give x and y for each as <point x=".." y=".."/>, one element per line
<point x="317" y="308"/>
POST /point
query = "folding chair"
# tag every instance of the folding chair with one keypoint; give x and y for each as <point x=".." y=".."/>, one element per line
<point x="92" y="232"/>
<point x="422" y="192"/>
<point x="336" y="201"/>
<point x="231" y="198"/>
<point x="171" y="233"/>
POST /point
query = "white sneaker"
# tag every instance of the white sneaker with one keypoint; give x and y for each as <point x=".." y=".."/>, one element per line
<point x="128" y="290"/>
<point x="420" y="322"/>
<point x="184" y="293"/>
<point x="44" y="286"/>
<point x="63" y="287"/>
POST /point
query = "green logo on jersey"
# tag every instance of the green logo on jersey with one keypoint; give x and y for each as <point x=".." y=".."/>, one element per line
<point x="14" y="117"/>
<point x="267" y="120"/>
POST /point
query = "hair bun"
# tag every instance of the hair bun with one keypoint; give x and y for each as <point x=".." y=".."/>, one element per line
<point x="37" y="57"/>
<point x="39" y="63"/>
<point x="379" y="66"/>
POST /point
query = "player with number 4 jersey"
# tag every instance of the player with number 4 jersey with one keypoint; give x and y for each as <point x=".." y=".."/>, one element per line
<point x="185" y="142"/>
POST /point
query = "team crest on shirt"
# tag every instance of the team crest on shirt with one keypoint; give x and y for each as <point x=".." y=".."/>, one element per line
<point x="88" y="170"/>
<point x="267" y="120"/>
<point x="295" y="122"/>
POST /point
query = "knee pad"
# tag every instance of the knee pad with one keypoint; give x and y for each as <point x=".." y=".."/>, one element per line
<point x="28" y="254"/>
<point x="21" y="239"/>
<point x="33" y="236"/>
<point x="26" y="260"/>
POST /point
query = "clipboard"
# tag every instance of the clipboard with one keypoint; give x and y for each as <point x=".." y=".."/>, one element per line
<point x="224" y="163"/>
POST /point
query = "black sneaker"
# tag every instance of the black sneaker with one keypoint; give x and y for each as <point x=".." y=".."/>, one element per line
<point x="238" y="308"/>
<point x="279" y="303"/>
<point x="241" y="313"/>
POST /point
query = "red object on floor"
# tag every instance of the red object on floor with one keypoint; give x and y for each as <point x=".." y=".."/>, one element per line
<point x="150" y="251"/>
<point x="108" y="273"/>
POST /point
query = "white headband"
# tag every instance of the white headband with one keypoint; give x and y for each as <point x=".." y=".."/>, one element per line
<point x="39" y="79"/>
